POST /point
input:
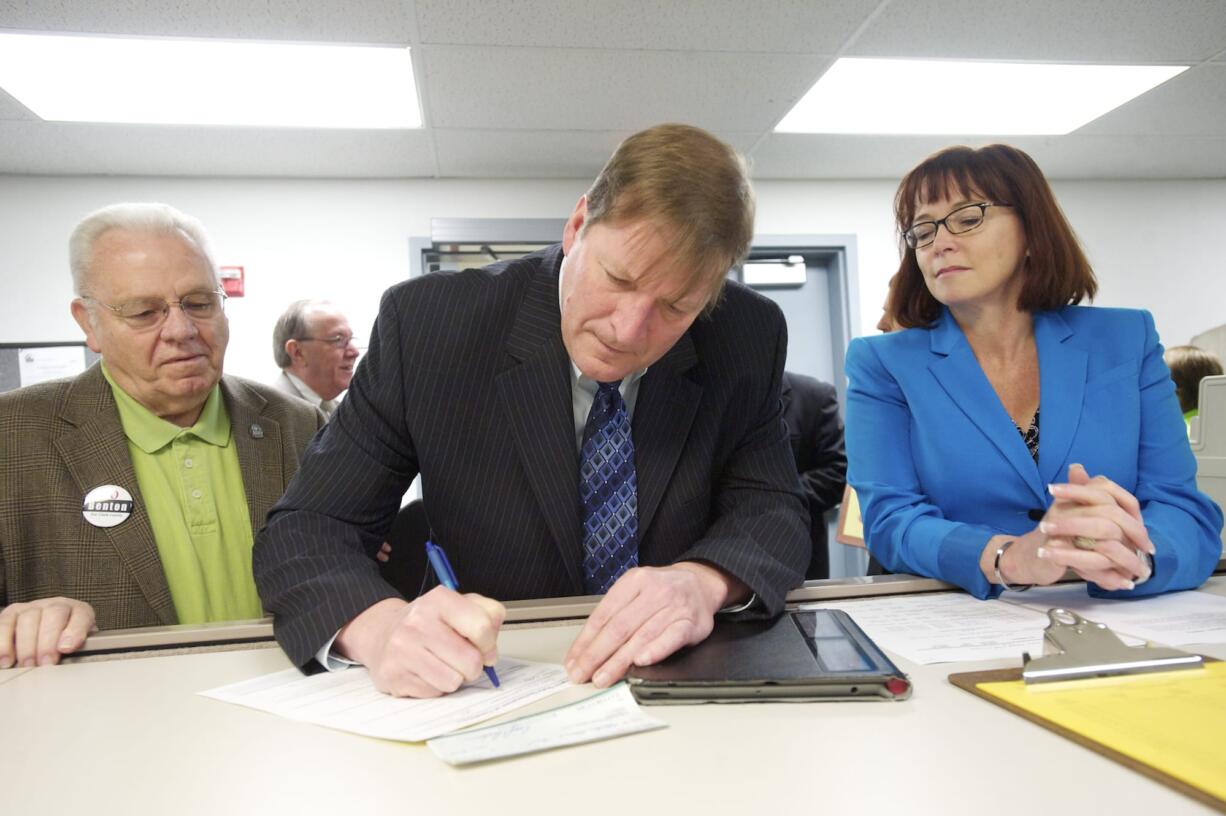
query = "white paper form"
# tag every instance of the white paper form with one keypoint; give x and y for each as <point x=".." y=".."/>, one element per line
<point x="945" y="627"/>
<point x="1176" y="619"/>
<point x="611" y="713"/>
<point x="348" y="700"/>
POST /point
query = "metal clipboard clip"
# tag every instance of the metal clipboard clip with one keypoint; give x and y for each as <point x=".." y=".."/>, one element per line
<point x="1082" y="648"/>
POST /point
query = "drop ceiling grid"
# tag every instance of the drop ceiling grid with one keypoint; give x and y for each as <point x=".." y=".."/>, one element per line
<point x="546" y="88"/>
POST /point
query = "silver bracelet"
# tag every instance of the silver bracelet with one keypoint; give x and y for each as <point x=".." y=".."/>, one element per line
<point x="1000" y="579"/>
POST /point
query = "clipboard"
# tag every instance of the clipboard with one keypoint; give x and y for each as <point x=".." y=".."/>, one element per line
<point x="1090" y="682"/>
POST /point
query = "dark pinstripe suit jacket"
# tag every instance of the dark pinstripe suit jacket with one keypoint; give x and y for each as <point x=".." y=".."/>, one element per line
<point x="815" y="430"/>
<point x="467" y="381"/>
<point x="61" y="439"/>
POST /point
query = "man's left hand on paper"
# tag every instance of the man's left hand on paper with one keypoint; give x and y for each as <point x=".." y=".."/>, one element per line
<point x="649" y="613"/>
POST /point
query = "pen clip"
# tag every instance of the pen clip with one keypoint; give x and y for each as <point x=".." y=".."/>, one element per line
<point x="440" y="564"/>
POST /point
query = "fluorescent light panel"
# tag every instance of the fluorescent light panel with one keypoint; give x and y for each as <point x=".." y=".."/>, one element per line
<point x="209" y="82"/>
<point x="878" y="96"/>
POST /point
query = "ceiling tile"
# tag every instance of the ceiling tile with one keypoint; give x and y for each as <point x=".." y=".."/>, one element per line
<point x="1078" y="156"/>
<point x="88" y="149"/>
<point x="371" y="21"/>
<point x="1191" y="104"/>
<point x="770" y="26"/>
<point x="10" y="108"/>
<point x="782" y="156"/>
<point x="795" y="155"/>
<point x="524" y="153"/>
<point x="1139" y="31"/>
<point x="572" y="89"/>
<point x="536" y="153"/>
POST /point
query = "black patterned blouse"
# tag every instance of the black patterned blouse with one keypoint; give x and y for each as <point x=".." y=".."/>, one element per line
<point x="1031" y="436"/>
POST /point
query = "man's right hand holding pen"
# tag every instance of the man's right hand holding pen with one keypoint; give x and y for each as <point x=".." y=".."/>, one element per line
<point x="427" y="647"/>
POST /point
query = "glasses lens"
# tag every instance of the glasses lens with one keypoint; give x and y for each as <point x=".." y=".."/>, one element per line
<point x="965" y="219"/>
<point x="921" y="234"/>
<point x="142" y="313"/>
<point x="202" y="305"/>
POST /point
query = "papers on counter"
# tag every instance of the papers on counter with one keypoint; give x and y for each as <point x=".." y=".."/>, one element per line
<point x="945" y="627"/>
<point x="348" y="701"/>
<point x="950" y="626"/>
<point x="611" y="713"/>
<point x="1177" y="619"/>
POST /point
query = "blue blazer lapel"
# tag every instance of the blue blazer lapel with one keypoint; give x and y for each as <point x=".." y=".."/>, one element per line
<point x="960" y="375"/>
<point x="1062" y="385"/>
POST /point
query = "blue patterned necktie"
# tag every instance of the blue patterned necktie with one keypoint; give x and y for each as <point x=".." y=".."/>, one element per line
<point x="608" y="492"/>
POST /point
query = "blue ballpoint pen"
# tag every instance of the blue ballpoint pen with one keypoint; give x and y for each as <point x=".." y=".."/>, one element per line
<point x="446" y="577"/>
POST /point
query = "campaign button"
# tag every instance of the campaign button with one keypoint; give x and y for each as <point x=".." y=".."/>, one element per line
<point x="107" y="505"/>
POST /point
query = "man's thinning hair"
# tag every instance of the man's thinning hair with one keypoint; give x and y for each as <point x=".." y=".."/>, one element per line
<point x="694" y="184"/>
<point x="136" y="217"/>
<point x="1189" y="365"/>
<point x="292" y="325"/>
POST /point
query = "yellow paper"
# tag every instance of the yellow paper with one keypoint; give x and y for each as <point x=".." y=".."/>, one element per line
<point x="1172" y="721"/>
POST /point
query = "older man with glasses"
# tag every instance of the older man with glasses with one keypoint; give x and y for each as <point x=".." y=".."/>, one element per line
<point x="128" y="494"/>
<point x="314" y="348"/>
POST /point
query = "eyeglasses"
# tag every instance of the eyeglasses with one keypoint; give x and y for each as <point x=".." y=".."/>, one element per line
<point x="339" y="341"/>
<point x="145" y="313"/>
<point x="963" y="219"/>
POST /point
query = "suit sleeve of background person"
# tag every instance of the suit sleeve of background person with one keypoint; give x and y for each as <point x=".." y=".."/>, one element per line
<point x="815" y="431"/>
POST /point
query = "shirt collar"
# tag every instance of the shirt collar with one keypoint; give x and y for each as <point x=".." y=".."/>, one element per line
<point x="305" y="390"/>
<point x="591" y="386"/>
<point x="151" y="433"/>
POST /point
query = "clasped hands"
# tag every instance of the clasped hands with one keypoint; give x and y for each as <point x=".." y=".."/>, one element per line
<point x="434" y="644"/>
<point x="1107" y="519"/>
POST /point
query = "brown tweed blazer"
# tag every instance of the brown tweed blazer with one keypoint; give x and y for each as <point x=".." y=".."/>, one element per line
<point x="61" y="439"/>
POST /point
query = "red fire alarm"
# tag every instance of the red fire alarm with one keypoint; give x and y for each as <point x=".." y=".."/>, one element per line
<point x="231" y="280"/>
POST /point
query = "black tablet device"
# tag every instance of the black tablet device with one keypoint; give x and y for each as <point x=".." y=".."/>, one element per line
<point x="817" y="654"/>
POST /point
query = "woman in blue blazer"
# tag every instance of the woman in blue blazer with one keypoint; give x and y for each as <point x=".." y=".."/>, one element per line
<point x="1006" y="435"/>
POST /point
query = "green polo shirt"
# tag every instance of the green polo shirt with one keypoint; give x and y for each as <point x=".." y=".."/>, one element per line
<point x="192" y="487"/>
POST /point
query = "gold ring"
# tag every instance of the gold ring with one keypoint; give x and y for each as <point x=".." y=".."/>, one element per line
<point x="1085" y="543"/>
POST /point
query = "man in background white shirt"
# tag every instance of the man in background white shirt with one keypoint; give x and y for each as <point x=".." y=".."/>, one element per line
<point x="313" y="345"/>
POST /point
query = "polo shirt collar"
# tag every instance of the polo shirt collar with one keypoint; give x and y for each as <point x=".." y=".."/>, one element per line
<point x="151" y="433"/>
